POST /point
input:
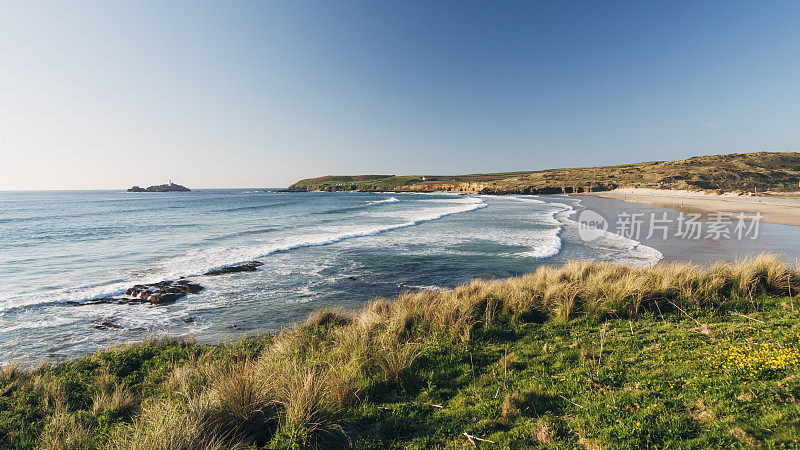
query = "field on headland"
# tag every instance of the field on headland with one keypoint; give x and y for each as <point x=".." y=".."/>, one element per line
<point x="739" y="172"/>
<point x="585" y="355"/>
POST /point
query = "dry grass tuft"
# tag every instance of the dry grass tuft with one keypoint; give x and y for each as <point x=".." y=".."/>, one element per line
<point x="117" y="401"/>
<point x="303" y="392"/>
<point x="704" y="329"/>
<point x="393" y="357"/>
<point x="11" y="372"/>
<point x="54" y="393"/>
<point x="599" y="289"/>
<point x="309" y="373"/>
<point x="329" y="318"/>
<point x="541" y="432"/>
<point x="703" y="413"/>
<point x="65" y="431"/>
<point x="742" y="437"/>
<point x="188" y="380"/>
<point x="11" y="376"/>
<point x="169" y="425"/>
<point x="243" y="406"/>
<point x="511" y="406"/>
<point x="109" y="398"/>
<point x="520" y="403"/>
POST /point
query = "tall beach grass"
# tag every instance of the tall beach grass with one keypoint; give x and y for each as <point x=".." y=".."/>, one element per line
<point x="294" y="390"/>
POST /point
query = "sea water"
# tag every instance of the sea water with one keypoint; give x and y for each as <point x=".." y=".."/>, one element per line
<point x="59" y="250"/>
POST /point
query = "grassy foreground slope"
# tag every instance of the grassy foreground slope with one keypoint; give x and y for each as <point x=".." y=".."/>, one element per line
<point x="733" y="172"/>
<point x="586" y="355"/>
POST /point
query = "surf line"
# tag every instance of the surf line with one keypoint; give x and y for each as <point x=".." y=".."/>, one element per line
<point x="167" y="292"/>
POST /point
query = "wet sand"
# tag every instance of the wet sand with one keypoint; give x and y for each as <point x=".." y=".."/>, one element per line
<point x="776" y="238"/>
<point x="784" y="211"/>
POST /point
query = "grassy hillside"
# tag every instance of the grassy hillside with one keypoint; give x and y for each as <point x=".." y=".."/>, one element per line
<point x="734" y="172"/>
<point x="586" y="355"/>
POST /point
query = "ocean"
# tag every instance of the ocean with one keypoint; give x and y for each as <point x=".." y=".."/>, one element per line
<point x="59" y="250"/>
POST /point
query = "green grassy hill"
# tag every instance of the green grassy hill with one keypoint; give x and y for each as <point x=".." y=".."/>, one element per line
<point x="734" y="172"/>
<point x="588" y="355"/>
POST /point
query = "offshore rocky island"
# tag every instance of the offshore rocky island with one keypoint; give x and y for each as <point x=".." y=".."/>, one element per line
<point x="169" y="187"/>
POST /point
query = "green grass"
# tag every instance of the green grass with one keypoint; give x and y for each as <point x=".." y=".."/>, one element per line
<point x="582" y="356"/>
<point x="31" y="400"/>
<point x="523" y="383"/>
<point x="367" y="182"/>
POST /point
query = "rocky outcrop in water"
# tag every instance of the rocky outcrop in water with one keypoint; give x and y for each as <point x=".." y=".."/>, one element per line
<point x="171" y="187"/>
<point x="163" y="292"/>
<point x="250" y="266"/>
<point x="106" y="324"/>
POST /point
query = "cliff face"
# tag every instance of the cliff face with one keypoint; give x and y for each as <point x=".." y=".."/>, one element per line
<point x="474" y="188"/>
<point x="734" y="172"/>
<point x="499" y="189"/>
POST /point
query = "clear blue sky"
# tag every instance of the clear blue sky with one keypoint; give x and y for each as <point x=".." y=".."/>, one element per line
<point x="108" y="94"/>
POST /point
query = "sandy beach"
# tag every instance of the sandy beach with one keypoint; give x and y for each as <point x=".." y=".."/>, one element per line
<point x="778" y="238"/>
<point x="784" y="211"/>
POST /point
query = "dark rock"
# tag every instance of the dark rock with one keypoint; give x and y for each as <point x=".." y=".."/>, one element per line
<point x="137" y="189"/>
<point x="551" y="190"/>
<point x="106" y="324"/>
<point x="164" y="291"/>
<point x="246" y="267"/>
<point x="109" y="300"/>
<point x="189" y="319"/>
<point x="160" y="293"/>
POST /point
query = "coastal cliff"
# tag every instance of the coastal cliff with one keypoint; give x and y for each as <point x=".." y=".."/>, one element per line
<point x="492" y="188"/>
<point x="739" y="172"/>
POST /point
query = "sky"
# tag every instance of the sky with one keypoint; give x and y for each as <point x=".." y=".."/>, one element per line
<point x="224" y="94"/>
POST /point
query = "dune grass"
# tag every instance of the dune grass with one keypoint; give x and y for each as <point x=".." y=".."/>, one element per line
<point x="587" y="354"/>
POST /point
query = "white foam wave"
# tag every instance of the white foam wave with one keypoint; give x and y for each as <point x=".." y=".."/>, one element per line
<point x="386" y="200"/>
<point x="431" y="287"/>
<point x="233" y="255"/>
<point x="548" y="245"/>
<point x="552" y="246"/>
<point x="543" y="240"/>
<point x="198" y="261"/>
<point x="622" y="249"/>
<point x="524" y="199"/>
<point x="50" y="322"/>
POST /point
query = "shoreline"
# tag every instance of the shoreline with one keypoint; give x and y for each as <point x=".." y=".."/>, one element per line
<point x="775" y="238"/>
<point x="782" y="211"/>
<point x="127" y="395"/>
<point x="620" y="248"/>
